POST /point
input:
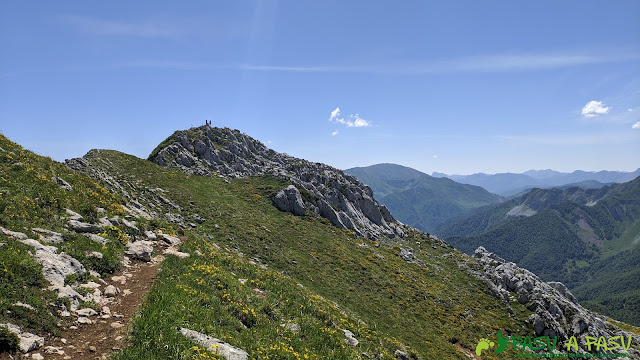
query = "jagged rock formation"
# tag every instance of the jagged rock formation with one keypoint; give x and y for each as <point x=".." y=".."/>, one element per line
<point x="556" y="310"/>
<point x="327" y="191"/>
<point x="289" y="200"/>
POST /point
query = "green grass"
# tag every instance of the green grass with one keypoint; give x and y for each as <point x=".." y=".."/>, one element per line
<point x="422" y="310"/>
<point x="29" y="198"/>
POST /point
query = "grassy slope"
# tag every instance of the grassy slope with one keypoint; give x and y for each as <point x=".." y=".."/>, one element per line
<point x="425" y="309"/>
<point x="28" y="199"/>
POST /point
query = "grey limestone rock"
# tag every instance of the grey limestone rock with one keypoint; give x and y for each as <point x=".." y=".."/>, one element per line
<point x="140" y="249"/>
<point x="291" y="327"/>
<point x="74" y="215"/>
<point x="401" y="355"/>
<point x="219" y="347"/>
<point x="83" y="227"/>
<point x="28" y="341"/>
<point x="171" y="240"/>
<point x="63" y="184"/>
<point x="13" y="234"/>
<point x="48" y="236"/>
<point x="97" y="238"/>
<point x="350" y="339"/>
<point x="289" y="200"/>
<point x="110" y="291"/>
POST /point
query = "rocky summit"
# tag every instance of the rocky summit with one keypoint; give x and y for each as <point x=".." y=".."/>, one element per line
<point x="317" y="188"/>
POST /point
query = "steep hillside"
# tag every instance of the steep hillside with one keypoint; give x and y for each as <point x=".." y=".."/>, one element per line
<point x="578" y="236"/>
<point x="419" y="200"/>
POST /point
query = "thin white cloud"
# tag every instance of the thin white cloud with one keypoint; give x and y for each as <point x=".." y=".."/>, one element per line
<point x="468" y="64"/>
<point x="146" y="29"/>
<point x="636" y="125"/>
<point x="334" y="133"/>
<point x="595" y="108"/>
<point x="473" y="63"/>
<point x="354" y="120"/>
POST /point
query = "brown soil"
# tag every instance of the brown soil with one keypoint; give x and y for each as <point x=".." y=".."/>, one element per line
<point x="101" y="335"/>
<point x="98" y="340"/>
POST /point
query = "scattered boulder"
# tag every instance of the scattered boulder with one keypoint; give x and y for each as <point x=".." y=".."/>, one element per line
<point x="28" y="341"/>
<point x="116" y="325"/>
<point x="110" y="291"/>
<point x="289" y="200"/>
<point x="150" y="235"/>
<point x="53" y="350"/>
<point x="48" y="236"/>
<point x="83" y="227"/>
<point x="63" y="184"/>
<point x="74" y="215"/>
<point x="401" y="355"/>
<point x="350" y="339"/>
<point x="95" y="254"/>
<point x="86" y="312"/>
<point x="21" y="304"/>
<point x="199" y="219"/>
<point x="13" y="234"/>
<point x="219" y="347"/>
<point x="97" y="238"/>
<point x="173" y="251"/>
<point x="140" y="249"/>
<point x="406" y="255"/>
<point x="55" y="267"/>
<point x="130" y="224"/>
<point x="291" y="327"/>
<point x="171" y="240"/>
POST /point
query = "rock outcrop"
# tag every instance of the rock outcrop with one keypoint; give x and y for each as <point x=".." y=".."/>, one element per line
<point x="289" y="200"/>
<point x="28" y="341"/>
<point x="219" y="347"/>
<point x="317" y="188"/>
<point x="556" y="311"/>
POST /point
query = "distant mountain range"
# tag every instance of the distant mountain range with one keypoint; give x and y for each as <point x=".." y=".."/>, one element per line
<point x="587" y="238"/>
<point x="509" y="184"/>
<point x="417" y="199"/>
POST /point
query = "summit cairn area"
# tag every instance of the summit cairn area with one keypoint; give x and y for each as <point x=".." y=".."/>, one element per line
<point x="324" y="190"/>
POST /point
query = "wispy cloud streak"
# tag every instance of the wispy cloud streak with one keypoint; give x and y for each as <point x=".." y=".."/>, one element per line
<point x="470" y="64"/>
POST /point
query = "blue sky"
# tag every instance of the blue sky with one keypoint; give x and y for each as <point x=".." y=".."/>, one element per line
<point x="448" y="86"/>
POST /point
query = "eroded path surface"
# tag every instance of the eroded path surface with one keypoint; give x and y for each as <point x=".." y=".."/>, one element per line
<point x="107" y="331"/>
